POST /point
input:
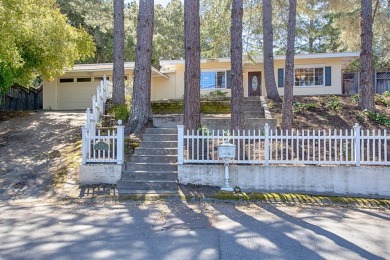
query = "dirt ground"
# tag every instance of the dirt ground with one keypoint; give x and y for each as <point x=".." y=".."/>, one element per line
<point x="34" y="152"/>
<point x="329" y="112"/>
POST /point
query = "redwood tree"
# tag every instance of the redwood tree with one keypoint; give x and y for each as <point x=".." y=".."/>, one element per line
<point x="287" y="114"/>
<point x="140" y="107"/>
<point x="192" y="65"/>
<point x="237" y="118"/>
<point x="268" y="42"/>
<point x="118" y="94"/>
<point x="367" y="90"/>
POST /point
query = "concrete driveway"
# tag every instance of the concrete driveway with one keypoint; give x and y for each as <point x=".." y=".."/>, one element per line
<point x="173" y="229"/>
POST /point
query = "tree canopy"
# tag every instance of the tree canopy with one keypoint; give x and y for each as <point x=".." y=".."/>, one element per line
<point x="322" y="26"/>
<point x="37" y="39"/>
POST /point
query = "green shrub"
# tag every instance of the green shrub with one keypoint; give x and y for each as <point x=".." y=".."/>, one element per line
<point x="204" y="130"/>
<point x="355" y="98"/>
<point x="361" y="118"/>
<point x="334" y="104"/>
<point x="215" y="94"/>
<point x="299" y="107"/>
<point x="177" y="107"/>
<point x="378" y="118"/>
<point x="168" y="107"/>
<point x="121" y="112"/>
<point x="383" y="99"/>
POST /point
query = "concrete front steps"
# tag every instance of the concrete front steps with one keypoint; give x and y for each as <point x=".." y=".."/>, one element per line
<point x="153" y="167"/>
<point x="253" y="108"/>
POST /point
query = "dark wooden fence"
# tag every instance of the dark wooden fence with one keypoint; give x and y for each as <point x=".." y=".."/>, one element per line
<point x="21" y="98"/>
<point x="351" y="81"/>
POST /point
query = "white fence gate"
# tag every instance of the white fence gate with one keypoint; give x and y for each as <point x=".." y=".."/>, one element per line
<point x="300" y="147"/>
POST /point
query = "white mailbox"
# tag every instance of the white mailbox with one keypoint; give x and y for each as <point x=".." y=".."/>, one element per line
<point x="227" y="152"/>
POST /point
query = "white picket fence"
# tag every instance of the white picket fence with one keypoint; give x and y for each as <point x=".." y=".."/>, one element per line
<point x="103" y="92"/>
<point x="101" y="146"/>
<point x="107" y="147"/>
<point x="300" y="147"/>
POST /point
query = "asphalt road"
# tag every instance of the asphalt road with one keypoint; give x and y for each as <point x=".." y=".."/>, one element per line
<point x="177" y="230"/>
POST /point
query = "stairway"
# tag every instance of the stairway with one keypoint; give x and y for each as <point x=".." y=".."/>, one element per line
<point x="153" y="167"/>
<point x="253" y="108"/>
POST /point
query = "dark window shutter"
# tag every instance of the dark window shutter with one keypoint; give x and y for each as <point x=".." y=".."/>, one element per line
<point x="280" y="78"/>
<point x="328" y="76"/>
<point x="228" y="79"/>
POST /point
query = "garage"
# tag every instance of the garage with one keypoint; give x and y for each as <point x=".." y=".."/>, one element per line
<point x="76" y="93"/>
<point x="74" y="89"/>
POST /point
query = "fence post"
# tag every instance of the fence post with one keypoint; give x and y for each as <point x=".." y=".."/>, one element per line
<point x="88" y="114"/>
<point x="180" y="144"/>
<point x="84" y="147"/>
<point x="266" y="143"/>
<point x="94" y="120"/>
<point x="120" y="142"/>
<point x="357" y="144"/>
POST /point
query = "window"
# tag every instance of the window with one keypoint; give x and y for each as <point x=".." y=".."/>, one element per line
<point x="83" y="79"/>
<point x="214" y="79"/>
<point x="66" y="80"/>
<point x="309" y="77"/>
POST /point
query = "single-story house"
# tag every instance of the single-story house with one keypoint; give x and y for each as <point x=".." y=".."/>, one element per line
<point x="315" y="74"/>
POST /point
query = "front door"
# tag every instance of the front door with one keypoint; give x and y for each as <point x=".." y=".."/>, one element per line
<point x="254" y="83"/>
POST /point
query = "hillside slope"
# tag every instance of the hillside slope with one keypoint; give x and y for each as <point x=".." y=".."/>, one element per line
<point x="335" y="112"/>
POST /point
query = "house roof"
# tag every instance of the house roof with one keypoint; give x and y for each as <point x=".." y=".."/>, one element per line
<point x="109" y="67"/>
<point x="347" y="57"/>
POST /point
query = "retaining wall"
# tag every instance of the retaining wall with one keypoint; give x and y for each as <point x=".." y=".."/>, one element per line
<point x="330" y="180"/>
<point x="100" y="173"/>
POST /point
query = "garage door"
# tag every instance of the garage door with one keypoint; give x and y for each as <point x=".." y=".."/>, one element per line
<point x="75" y="95"/>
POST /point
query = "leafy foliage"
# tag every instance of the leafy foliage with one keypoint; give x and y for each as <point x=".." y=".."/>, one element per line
<point x="215" y="29"/>
<point x="378" y="118"/>
<point x="334" y="104"/>
<point x="301" y="107"/>
<point x="36" y="38"/>
<point x="215" y="94"/>
<point x="383" y="99"/>
<point x="355" y="98"/>
<point x="168" y="38"/>
<point x="121" y="111"/>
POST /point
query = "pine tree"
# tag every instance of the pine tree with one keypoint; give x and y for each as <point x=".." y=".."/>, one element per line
<point x="367" y="90"/>
<point x="237" y="113"/>
<point x="268" y="42"/>
<point x="140" y="105"/>
<point x="287" y="114"/>
<point x="192" y="65"/>
<point x="118" y="95"/>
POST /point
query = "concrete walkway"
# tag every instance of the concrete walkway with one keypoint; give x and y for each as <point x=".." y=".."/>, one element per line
<point x="174" y="229"/>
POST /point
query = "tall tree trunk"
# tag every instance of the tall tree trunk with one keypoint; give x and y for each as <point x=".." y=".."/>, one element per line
<point x="192" y="65"/>
<point x="367" y="91"/>
<point x="140" y="106"/>
<point x="287" y="114"/>
<point x="118" y="92"/>
<point x="237" y="96"/>
<point x="268" y="42"/>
